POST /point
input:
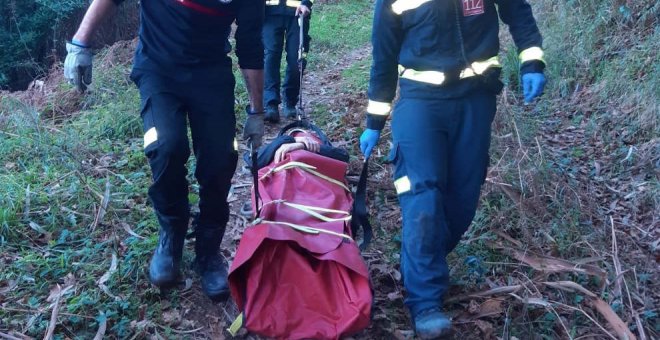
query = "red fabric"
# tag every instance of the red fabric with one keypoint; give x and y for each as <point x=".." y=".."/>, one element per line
<point x="295" y="285"/>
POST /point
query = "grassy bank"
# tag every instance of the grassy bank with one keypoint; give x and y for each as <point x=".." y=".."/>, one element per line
<point x="75" y="222"/>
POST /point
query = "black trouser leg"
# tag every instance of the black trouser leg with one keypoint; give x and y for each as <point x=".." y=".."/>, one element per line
<point x="213" y="124"/>
<point x="291" y="84"/>
<point x="166" y="147"/>
<point x="273" y="38"/>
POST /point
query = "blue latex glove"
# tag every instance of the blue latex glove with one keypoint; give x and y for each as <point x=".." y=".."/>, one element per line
<point x="368" y="141"/>
<point x="533" y="84"/>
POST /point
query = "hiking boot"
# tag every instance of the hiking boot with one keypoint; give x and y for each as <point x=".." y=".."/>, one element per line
<point x="432" y="324"/>
<point x="272" y="114"/>
<point x="213" y="273"/>
<point x="165" y="266"/>
<point x="290" y="111"/>
<point x="210" y="266"/>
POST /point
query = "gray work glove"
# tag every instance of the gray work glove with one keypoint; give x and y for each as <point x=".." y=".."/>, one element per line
<point x="253" y="131"/>
<point x="78" y="66"/>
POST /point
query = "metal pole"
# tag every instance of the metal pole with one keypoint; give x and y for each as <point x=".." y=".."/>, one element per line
<point x="301" y="67"/>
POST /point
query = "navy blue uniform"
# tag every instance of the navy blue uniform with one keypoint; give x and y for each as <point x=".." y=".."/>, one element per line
<point x="184" y="76"/>
<point x="443" y="54"/>
<point x="281" y="32"/>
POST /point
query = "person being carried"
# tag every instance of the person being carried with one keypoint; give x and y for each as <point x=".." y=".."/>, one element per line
<point x="282" y="32"/>
<point x="443" y="54"/>
<point x="184" y="76"/>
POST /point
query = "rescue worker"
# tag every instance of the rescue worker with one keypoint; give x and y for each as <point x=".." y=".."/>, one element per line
<point x="281" y="31"/>
<point x="184" y="76"/>
<point x="443" y="53"/>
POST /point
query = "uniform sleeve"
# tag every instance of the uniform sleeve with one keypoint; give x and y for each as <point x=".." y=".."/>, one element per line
<point x="308" y="3"/>
<point x="386" y="38"/>
<point x="117" y="2"/>
<point x="249" y="46"/>
<point x="517" y="14"/>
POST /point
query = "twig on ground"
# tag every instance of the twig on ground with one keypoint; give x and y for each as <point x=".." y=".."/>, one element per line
<point x="570" y="286"/>
<point x="494" y="291"/>
<point x="103" y="324"/>
<point x="104" y="205"/>
<point x="620" y="327"/>
<point x="53" y="316"/>
<point x="554" y="265"/>
<point x="620" y="277"/>
<point x="106" y="277"/>
<point x="616" y="263"/>
<point x="26" y="210"/>
<point x="181" y="332"/>
<point x="130" y="231"/>
<point x="588" y="317"/>
<point x="547" y="305"/>
<point x="11" y="337"/>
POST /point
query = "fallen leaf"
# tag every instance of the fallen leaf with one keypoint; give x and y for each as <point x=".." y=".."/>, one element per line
<point x="396" y="274"/>
<point x="172" y="317"/>
<point x="473" y="307"/>
<point x="485" y="327"/>
<point x="490" y="307"/>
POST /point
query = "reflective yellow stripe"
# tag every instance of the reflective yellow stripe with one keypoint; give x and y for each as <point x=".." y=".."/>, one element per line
<point x="235" y="145"/>
<point x="479" y="67"/>
<point x="437" y="77"/>
<point x="401" y="6"/>
<point x="304" y="228"/>
<point x="272" y="2"/>
<point x="293" y="3"/>
<point x="379" y="108"/>
<point x="236" y="325"/>
<point x="150" y="136"/>
<point x="402" y="185"/>
<point x="431" y="77"/>
<point x="532" y="53"/>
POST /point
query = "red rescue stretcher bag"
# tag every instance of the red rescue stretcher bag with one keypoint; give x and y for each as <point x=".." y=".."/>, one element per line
<point x="298" y="273"/>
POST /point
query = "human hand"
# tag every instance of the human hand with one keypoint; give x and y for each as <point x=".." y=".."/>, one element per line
<point x="533" y="84"/>
<point x="253" y="131"/>
<point x="303" y="10"/>
<point x="309" y="143"/>
<point x="286" y="148"/>
<point x="368" y="141"/>
<point x="78" y="66"/>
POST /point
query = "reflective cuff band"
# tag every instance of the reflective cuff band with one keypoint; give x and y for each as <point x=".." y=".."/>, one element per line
<point x="430" y="77"/>
<point x="479" y="67"/>
<point x="532" y="53"/>
<point x="379" y="108"/>
<point x="235" y="145"/>
<point x="402" y="185"/>
<point x="293" y="3"/>
<point x="401" y="6"/>
<point x="150" y="136"/>
<point x="272" y="2"/>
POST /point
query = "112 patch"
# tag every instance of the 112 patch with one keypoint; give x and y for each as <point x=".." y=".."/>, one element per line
<point x="473" y="7"/>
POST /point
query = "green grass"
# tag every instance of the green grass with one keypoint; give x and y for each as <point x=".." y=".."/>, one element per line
<point x="338" y="27"/>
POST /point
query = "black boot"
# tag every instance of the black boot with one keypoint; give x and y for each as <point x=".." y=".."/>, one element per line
<point x="165" y="267"/>
<point x="210" y="265"/>
<point x="272" y="113"/>
<point x="290" y="111"/>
